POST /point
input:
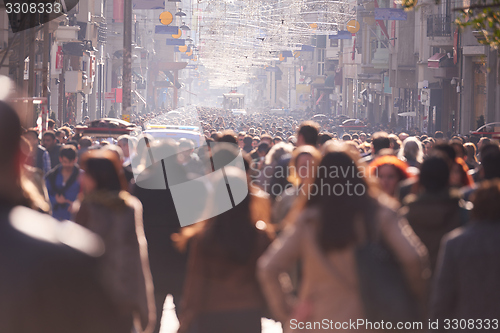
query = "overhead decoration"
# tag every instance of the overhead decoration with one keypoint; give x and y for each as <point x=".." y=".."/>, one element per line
<point x="238" y="38"/>
<point x="166" y="18"/>
<point x="178" y="34"/>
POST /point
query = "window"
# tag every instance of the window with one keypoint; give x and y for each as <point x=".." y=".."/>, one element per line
<point x="321" y="62"/>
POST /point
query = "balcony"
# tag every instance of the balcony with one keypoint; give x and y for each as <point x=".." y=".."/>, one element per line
<point x="439" y="26"/>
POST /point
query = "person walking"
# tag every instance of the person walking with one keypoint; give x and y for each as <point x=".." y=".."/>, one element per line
<point x="168" y="264"/>
<point x="468" y="269"/>
<point x="326" y="245"/>
<point x="48" y="279"/>
<point x="111" y="212"/>
<point x="63" y="183"/>
<point x="221" y="293"/>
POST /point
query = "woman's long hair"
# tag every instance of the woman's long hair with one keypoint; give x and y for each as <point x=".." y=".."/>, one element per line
<point x="343" y="194"/>
<point x="104" y="167"/>
<point x="231" y="235"/>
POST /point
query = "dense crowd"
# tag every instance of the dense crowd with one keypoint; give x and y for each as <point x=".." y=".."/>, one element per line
<point x="337" y="226"/>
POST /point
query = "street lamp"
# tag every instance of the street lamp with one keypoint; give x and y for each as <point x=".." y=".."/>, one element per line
<point x="184" y="27"/>
<point x="180" y="13"/>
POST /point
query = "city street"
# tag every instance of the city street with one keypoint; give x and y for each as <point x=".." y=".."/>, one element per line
<point x="171" y="325"/>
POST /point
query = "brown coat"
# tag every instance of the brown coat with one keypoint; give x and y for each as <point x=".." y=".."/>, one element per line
<point x="215" y="284"/>
<point x="329" y="285"/>
<point x="125" y="272"/>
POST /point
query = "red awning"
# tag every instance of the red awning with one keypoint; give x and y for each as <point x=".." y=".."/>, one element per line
<point x="435" y="60"/>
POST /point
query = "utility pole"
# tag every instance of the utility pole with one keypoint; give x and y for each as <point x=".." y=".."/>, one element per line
<point x="45" y="72"/>
<point x="31" y="78"/>
<point x="127" y="58"/>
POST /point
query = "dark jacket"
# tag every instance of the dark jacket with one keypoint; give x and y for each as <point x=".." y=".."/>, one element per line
<point x="54" y="155"/>
<point x="48" y="277"/>
<point x="467" y="275"/>
<point x="432" y="216"/>
<point x="160" y="222"/>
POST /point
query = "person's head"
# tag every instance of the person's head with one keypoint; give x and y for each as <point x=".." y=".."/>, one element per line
<point x="266" y="138"/>
<point x="255" y="141"/>
<point x="49" y="139"/>
<point x="402" y="136"/>
<point x="323" y="138"/>
<point x="470" y="150"/>
<point x="438" y="135"/>
<point x="247" y="141"/>
<point x="347" y="194"/>
<point x="380" y="140"/>
<point x="263" y="149"/>
<point x="32" y="136"/>
<point x="102" y="172"/>
<point x="435" y="173"/>
<point x="427" y="146"/>
<point x="67" y="157"/>
<point x="303" y="165"/>
<point x="61" y="137"/>
<point x="485" y="200"/>
<point x="124" y="142"/>
<point x="186" y="148"/>
<point x="229" y="137"/>
<point x="395" y="142"/>
<point x="459" y="148"/>
<point x="490" y="161"/>
<point x="389" y="171"/>
<point x="85" y="142"/>
<point x="241" y="136"/>
<point x="51" y="125"/>
<point x="308" y="134"/>
<point x="346" y="137"/>
<point x="362" y="136"/>
<point x="277" y="139"/>
<point x="412" y="150"/>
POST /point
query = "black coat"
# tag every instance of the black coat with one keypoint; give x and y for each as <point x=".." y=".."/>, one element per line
<point x="47" y="285"/>
<point x="168" y="265"/>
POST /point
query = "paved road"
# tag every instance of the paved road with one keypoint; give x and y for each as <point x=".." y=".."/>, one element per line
<point x="170" y="324"/>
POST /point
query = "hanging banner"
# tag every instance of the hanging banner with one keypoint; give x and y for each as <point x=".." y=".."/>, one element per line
<point x="390" y="14"/>
<point x="343" y="34"/>
<point x="166" y="29"/>
<point x="118" y="10"/>
<point x="171" y="41"/>
<point x="148" y="4"/>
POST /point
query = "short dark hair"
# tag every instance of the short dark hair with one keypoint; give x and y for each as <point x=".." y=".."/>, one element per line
<point x="434" y="174"/>
<point x="309" y="131"/>
<point x="324" y="137"/>
<point x="380" y="140"/>
<point x="438" y="135"/>
<point x="490" y="161"/>
<point x="346" y="137"/>
<point x="263" y="147"/>
<point x="51" y="134"/>
<point x="85" y="142"/>
<point x="68" y="151"/>
<point x="51" y="123"/>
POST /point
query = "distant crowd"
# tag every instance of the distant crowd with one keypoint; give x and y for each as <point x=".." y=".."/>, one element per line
<point x="399" y="227"/>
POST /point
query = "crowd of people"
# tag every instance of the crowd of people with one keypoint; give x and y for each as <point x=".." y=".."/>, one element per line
<point x="294" y="249"/>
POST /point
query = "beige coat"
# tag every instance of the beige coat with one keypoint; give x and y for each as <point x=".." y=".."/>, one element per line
<point x="125" y="271"/>
<point x="329" y="287"/>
